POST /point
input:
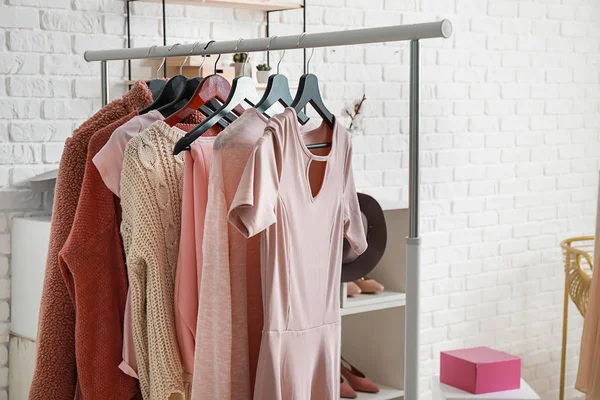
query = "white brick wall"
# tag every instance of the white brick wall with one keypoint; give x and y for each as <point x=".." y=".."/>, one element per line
<point x="510" y="141"/>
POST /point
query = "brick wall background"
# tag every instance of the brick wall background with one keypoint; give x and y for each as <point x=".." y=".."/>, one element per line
<point x="510" y="143"/>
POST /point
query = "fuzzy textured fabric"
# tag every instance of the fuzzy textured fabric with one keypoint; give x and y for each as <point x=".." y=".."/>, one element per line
<point x="93" y="266"/>
<point x="151" y="189"/>
<point x="55" y="376"/>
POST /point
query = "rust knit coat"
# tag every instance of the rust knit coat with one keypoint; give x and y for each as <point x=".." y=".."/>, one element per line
<point x="55" y="375"/>
<point x="93" y="267"/>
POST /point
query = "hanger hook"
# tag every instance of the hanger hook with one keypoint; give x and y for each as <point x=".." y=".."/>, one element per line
<point x="283" y="55"/>
<point x="217" y="62"/>
<point x="204" y="58"/>
<point x="300" y="39"/>
<point x="312" y="53"/>
<point x="245" y="60"/>
<point x="187" y="57"/>
<point x="280" y="60"/>
<point x="165" y="59"/>
<point x="150" y="50"/>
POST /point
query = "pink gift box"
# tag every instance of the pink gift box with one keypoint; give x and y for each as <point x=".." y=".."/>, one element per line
<point x="480" y="370"/>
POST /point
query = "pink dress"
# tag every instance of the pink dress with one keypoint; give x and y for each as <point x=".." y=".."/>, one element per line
<point x="303" y="204"/>
<point x="230" y="321"/>
<point x="189" y="261"/>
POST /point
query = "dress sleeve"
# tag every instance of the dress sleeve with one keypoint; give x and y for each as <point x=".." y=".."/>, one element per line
<point x="253" y="207"/>
<point x="353" y="225"/>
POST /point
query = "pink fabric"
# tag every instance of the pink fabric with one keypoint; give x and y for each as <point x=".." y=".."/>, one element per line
<point x="588" y="373"/>
<point x="303" y="202"/>
<point x="230" y="322"/>
<point x="109" y="160"/>
<point x="189" y="262"/>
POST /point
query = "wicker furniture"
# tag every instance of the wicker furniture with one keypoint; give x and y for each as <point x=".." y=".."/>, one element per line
<point x="578" y="253"/>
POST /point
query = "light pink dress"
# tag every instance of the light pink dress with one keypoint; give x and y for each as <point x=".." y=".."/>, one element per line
<point x="230" y="321"/>
<point x="303" y="204"/>
<point x="189" y="261"/>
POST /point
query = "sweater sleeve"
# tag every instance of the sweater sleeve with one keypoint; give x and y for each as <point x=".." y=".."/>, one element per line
<point x="212" y="360"/>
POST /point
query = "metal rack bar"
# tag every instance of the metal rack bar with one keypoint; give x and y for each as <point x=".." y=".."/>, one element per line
<point x="104" y="82"/>
<point x="128" y="37"/>
<point x="439" y="29"/>
<point x="164" y="21"/>
<point x="413" y="242"/>
<point x="412" y="33"/>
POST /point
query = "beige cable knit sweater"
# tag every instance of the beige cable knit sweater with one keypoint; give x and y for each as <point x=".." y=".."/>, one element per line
<point x="151" y="187"/>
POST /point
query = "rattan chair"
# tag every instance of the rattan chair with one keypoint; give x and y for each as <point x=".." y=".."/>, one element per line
<point x="578" y="253"/>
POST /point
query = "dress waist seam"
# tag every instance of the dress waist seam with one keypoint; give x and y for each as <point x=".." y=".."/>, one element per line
<point x="302" y="330"/>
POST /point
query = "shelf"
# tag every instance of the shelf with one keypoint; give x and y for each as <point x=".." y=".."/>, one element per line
<point x="361" y="303"/>
<point x="259" y="87"/>
<point x="385" y="393"/>
<point x="259" y="5"/>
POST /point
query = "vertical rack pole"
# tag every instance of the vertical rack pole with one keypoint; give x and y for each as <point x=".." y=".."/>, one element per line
<point x="104" y="82"/>
<point x="304" y="31"/>
<point x="164" y="21"/>
<point x="413" y="242"/>
<point x="268" y="32"/>
<point x="128" y="38"/>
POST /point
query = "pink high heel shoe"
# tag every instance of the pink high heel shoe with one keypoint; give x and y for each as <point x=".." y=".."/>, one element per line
<point x="369" y="286"/>
<point x="346" y="392"/>
<point x="357" y="380"/>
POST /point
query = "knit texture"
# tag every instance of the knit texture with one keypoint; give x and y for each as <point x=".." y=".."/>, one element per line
<point x="92" y="263"/>
<point x="55" y="376"/>
<point x="151" y="190"/>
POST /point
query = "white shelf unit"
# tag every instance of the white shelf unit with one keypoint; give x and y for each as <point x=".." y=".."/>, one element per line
<point x="385" y="393"/>
<point x="373" y="326"/>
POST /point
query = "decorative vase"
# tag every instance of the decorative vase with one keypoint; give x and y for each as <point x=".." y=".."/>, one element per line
<point x="263" y="76"/>
<point x="239" y="69"/>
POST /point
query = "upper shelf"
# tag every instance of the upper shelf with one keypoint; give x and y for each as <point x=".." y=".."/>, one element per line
<point x="259" y="5"/>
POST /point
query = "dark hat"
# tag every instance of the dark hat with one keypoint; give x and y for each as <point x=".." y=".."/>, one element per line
<point x="353" y="266"/>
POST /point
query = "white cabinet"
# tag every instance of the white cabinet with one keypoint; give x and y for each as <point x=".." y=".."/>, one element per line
<point x="30" y="238"/>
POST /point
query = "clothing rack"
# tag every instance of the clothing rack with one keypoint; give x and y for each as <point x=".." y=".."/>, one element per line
<point x="413" y="33"/>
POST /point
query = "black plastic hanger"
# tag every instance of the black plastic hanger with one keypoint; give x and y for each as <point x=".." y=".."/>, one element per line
<point x="309" y="93"/>
<point x="277" y="91"/>
<point x="170" y="91"/>
<point x="156" y="86"/>
<point x="242" y="90"/>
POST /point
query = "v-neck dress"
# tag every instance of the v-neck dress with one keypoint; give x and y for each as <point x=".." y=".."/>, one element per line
<point x="301" y="255"/>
